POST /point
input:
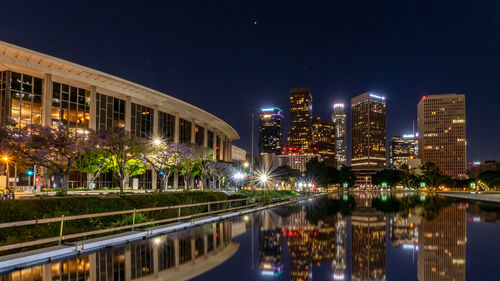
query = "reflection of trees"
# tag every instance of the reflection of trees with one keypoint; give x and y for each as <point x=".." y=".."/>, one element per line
<point x="430" y="206"/>
<point x="325" y="207"/>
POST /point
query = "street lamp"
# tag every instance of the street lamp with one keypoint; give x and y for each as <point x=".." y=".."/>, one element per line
<point x="157" y="141"/>
<point x="6" y="160"/>
<point x="238" y="176"/>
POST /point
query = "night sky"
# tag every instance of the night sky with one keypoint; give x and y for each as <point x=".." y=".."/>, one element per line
<point x="233" y="57"/>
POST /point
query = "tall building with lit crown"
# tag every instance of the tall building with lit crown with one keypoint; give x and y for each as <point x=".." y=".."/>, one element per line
<point x="442" y="139"/>
<point x="402" y="149"/>
<point x="323" y="140"/>
<point x="339" y="118"/>
<point x="270" y="133"/>
<point x="442" y="245"/>
<point x="368" y="152"/>
<point x="300" y="118"/>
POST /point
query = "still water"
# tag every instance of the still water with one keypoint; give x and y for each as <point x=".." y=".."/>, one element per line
<point x="356" y="236"/>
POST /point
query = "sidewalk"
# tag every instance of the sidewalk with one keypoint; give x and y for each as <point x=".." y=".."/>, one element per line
<point x="492" y="197"/>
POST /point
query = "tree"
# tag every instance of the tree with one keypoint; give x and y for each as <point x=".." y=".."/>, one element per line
<point x="57" y="149"/>
<point x="390" y="176"/>
<point x="94" y="163"/>
<point x="346" y="175"/>
<point x="221" y="169"/>
<point x="124" y="151"/>
<point x="165" y="159"/>
<point x="321" y="173"/>
<point x="190" y="166"/>
<point x="490" y="178"/>
<point x="432" y="174"/>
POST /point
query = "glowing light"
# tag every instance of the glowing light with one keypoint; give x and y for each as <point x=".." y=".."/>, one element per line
<point x="409" y="136"/>
<point x="338" y="105"/>
<point x="157" y="142"/>
<point x="246" y="164"/>
<point x="5" y="158"/>
<point x="246" y="218"/>
<point x="377" y="97"/>
<point x="238" y="175"/>
<point x="157" y="240"/>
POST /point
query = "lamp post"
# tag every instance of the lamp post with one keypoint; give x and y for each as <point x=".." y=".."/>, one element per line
<point x="252" y="156"/>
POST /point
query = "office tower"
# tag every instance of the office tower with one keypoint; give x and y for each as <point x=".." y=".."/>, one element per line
<point x="270" y="135"/>
<point x="368" y="152"/>
<point x="442" y="244"/>
<point x="339" y="118"/>
<point x="300" y="118"/>
<point x="323" y="140"/>
<point x="339" y="263"/>
<point x="368" y="245"/>
<point x="402" y="149"/>
<point x="441" y="126"/>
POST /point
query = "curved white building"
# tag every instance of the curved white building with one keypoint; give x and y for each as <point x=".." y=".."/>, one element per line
<point x="40" y="89"/>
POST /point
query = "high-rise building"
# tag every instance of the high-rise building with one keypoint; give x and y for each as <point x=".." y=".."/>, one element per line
<point x="368" y="245"/>
<point x="368" y="152"/>
<point x="441" y="127"/>
<point x="339" y="118"/>
<point x="442" y="244"/>
<point x="402" y="149"/>
<point x="300" y="118"/>
<point x="323" y="140"/>
<point x="270" y="134"/>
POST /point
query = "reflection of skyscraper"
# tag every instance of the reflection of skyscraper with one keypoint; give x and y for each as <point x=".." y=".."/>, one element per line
<point x="339" y="263"/>
<point x="368" y="245"/>
<point x="339" y="118"/>
<point x="403" y="231"/>
<point x="300" y="118"/>
<point x="270" y="135"/>
<point x="271" y="257"/>
<point x="441" y="245"/>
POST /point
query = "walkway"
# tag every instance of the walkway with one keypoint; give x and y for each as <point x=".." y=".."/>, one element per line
<point x="492" y="197"/>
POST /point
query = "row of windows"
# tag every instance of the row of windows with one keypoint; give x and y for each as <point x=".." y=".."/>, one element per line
<point x="71" y="107"/>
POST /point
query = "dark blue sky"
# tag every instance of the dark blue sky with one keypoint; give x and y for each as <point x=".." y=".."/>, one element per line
<point x="233" y="57"/>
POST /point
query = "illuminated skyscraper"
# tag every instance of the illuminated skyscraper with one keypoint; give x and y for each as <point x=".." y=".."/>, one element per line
<point x="339" y="118"/>
<point x="368" y="245"/>
<point x="402" y="149"/>
<point x="368" y="152"/>
<point x="323" y="140"/>
<point x="442" y="244"/>
<point x="442" y="139"/>
<point x="270" y="134"/>
<point x="300" y="118"/>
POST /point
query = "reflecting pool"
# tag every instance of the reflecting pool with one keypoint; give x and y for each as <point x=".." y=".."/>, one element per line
<point x="345" y="236"/>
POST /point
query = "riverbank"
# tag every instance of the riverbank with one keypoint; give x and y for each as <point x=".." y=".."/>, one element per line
<point x="490" y="197"/>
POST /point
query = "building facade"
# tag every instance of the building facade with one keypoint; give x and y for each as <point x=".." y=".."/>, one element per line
<point x="39" y="89"/>
<point x="323" y="140"/>
<point x="402" y="149"/>
<point x="300" y="118"/>
<point x="484" y="166"/>
<point x="270" y="130"/>
<point x="442" y="137"/>
<point x="368" y="151"/>
<point x="339" y="117"/>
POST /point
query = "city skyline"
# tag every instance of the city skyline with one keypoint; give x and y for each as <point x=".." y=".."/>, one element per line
<point x="213" y="56"/>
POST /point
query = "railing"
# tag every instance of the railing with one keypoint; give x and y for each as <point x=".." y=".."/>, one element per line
<point x="63" y="219"/>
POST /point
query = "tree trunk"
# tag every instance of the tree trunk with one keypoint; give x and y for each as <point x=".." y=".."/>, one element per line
<point x="64" y="184"/>
<point x="122" y="184"/>
<point x="186" y="186"/>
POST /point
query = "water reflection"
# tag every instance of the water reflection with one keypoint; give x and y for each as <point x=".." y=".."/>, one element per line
<point x="359" y="236"/>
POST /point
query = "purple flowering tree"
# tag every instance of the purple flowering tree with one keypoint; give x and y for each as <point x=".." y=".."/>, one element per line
<point x="166" y="159"/>
<point x="55" y="148"/>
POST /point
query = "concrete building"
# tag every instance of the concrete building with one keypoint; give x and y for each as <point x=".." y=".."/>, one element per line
<point x="297" y="161"/>
<point x="40" y="89"/>
<point x="442" y="137"/>
<point x="477" y="169"/>
<point x="339" y="117"/>
<point x="323" y="140"/>
<point x="402" y="149"/>
<point x="270" y="130"/>
<point x="368" y="135"/>
<point x="300" y="118"/>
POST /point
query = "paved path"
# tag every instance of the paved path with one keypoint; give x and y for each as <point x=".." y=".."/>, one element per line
<point x="492" y="197"/>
